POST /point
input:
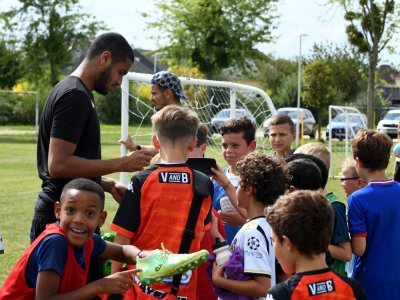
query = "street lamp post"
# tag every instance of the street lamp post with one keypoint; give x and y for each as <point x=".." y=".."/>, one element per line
<point x="298" y="94"/>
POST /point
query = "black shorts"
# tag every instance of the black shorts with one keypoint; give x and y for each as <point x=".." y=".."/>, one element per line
<point x="43" y="215"/>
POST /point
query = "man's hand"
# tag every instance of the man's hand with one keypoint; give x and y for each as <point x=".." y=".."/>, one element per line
<point x="136" y="160"/>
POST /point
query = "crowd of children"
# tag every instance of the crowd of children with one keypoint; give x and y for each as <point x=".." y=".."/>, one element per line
<point x="289" y="237"/>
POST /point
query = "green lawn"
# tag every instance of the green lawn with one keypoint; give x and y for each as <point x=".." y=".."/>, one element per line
<point x="19" y="185"/>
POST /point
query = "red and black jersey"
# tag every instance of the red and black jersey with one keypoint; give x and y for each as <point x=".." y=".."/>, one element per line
<point x="155" y="209"/>
<point x="322" y="284"/>
<point x="73" y="276"/>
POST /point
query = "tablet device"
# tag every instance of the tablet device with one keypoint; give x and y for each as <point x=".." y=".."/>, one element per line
<point x="202" y="164"/>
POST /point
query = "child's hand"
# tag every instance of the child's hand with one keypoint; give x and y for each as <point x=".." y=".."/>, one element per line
<point x="117" y="283"/>
<point x="220" y="176"/>
<point x="217" y="273"/>
<point x="129" y="144"/>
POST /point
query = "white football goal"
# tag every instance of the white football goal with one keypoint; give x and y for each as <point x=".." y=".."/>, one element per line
<point x="213" y="101"/>
<point x="344" y="123"/>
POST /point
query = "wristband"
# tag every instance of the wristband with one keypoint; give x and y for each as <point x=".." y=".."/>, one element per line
<point x="139" y="253"/>
<point x="226" y="185"/>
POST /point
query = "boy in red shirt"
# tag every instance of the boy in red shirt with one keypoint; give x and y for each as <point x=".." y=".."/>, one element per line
<point x="57" y="262"/>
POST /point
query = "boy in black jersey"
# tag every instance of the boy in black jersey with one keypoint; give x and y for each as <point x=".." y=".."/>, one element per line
<point x="302" y="224"/>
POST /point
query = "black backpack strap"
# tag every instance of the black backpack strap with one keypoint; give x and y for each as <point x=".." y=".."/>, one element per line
<point x="188" y="235"/>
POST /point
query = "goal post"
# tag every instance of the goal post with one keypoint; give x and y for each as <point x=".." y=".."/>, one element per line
<point x="211" y="100"/>
<point x="344" y="123"/>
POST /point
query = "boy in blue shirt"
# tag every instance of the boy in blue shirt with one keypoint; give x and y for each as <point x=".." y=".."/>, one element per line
<point x="237" y="139"/>
<point x="374" y="221"/>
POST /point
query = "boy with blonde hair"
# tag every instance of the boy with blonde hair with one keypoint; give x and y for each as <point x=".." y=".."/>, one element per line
<point x="158" y="204"/>
<point x="302" y="224"/>
<point x="339" y="248"/>
<point x="374" y="218"/>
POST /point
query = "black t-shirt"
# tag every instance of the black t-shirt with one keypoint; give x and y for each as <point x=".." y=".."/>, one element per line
<point x="68" y="114"/>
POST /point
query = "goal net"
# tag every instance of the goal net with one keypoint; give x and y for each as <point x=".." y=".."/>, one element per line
<point x="344" y="123"/>
<point x="213" y="101"/>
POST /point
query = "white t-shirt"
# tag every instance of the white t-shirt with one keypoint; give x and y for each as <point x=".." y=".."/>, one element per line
<point x="254" y="238"/>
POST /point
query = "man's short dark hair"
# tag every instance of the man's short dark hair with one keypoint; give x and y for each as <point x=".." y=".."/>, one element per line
<point x="281" y="120"/>
<point x="241" y="125"/>
<point x="113" y="42"/>
<point x="305" y="174"/>
<point x="316" y="160"/>
<point x="83" y="184"/>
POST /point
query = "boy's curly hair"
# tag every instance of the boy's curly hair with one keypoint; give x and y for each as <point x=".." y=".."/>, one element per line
<point x="267" y="176"/>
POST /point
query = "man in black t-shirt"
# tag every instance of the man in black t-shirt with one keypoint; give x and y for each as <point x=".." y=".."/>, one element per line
<point x="69" y="134"/>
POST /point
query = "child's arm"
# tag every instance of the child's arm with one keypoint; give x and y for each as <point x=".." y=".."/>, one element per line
<point x="122" y="253"/>
<point x="255" y="287"/>
<point x="341" y="251"/>
<point x="220" y="177"/>
<point x="121" y="240"/>
<point x="48" y="282"/>
<point x="358" y="244"/>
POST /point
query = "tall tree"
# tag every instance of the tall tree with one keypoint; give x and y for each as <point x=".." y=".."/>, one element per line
<point x="372" y="26"/>
<point x="214" y="34"/>
<point x="348" y="69"/>
<point x="319" y="90"/>
<point x="51" y="30"/>
<point x="9" y="65"/>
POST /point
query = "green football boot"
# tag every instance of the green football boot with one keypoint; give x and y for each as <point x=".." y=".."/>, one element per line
<point x="163" y="263"/>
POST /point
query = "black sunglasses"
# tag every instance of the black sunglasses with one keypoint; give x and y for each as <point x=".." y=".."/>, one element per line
<point x="348" y="178"/>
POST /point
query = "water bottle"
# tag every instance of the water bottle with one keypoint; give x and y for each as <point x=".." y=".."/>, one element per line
<point x="222" y="251"/>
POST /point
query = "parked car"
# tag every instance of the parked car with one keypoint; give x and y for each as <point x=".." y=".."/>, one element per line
<point x="355" y="122"/>
<point x="309" y="120"/>
<point x="225" y="114"/>
<point x="390" y="122"/>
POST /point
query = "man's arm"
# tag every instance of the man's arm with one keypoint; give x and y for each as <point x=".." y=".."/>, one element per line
<point x="64" y="164"/>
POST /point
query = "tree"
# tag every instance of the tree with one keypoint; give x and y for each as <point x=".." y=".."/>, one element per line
<point x="348" y="67"/>
<point x="52" y="30"/>
<point x="214" y="34"/>
<point x="278" y="76"/>
<point x="318" y="88"/>
<point x="372" y="26"/>
<point x="9" y="65"/>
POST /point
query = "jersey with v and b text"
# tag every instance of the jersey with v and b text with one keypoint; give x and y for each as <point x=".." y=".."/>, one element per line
<point x="321" y="284"/>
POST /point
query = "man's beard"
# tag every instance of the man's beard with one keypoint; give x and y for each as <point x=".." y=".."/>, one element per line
<point x="100" y="84"/>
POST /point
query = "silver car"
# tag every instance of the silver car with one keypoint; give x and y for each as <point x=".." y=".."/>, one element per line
<point x="225" y="114"/>
<point x="305" y="115"/>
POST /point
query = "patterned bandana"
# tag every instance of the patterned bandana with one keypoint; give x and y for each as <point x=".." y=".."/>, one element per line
<point x="170" y="81"/>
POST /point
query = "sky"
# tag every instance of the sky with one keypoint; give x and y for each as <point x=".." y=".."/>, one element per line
<point x="320" y="23"/>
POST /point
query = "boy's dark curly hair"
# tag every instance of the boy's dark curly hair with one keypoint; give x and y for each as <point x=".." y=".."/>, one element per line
<point x="267" y="176"/>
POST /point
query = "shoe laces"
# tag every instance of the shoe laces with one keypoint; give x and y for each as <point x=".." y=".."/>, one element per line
<point x="164" y="252"/>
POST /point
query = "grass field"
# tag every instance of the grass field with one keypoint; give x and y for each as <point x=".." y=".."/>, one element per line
<point x="19" y="185"/>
